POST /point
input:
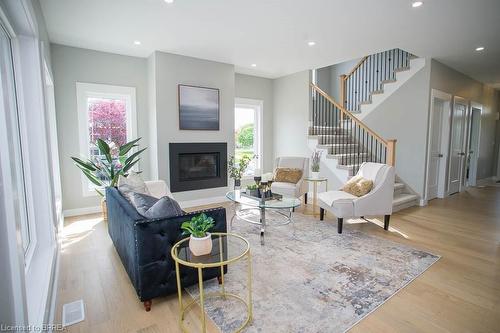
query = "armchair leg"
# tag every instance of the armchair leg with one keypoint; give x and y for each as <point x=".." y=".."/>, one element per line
<point x="386" y="221"/>
<point x="147" y="305"/>
<point x="321" y="214"/>
<point x="305" y="198"/>
<point x="340" y="221"/>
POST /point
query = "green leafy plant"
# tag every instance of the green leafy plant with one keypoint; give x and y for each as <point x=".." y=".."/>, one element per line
<point x="105" y="169"/>
<point x="244" y="137"/>
<point x="237" y="168"/>
<point x="252" y="187"/>
<point x="198" y="226"/>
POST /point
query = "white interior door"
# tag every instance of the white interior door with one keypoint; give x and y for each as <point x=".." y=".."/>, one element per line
<point x="457" y="142"/>
<point x="435" y="154"/>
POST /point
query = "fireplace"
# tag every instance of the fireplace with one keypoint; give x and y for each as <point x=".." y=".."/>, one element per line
<point x="196" y="166"/>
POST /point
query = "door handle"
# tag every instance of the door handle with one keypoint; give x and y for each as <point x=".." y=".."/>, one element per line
<point x="461" y="154"/>
<point x="440" y="155"/>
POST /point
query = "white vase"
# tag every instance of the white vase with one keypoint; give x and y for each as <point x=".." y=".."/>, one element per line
<point x="200" y="246"/>
<point x="315" y="175"/>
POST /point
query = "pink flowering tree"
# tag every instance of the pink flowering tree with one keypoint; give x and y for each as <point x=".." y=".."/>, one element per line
<point x="107" y="121"/>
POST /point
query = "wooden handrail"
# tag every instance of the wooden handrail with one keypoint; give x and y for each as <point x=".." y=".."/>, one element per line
<point x="356" y="67"/>
<point x="349" y="114"/>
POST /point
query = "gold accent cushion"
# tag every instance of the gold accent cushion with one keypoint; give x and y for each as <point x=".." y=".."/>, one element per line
<point x="358" y="186"/>
<point x="287" y="175"/>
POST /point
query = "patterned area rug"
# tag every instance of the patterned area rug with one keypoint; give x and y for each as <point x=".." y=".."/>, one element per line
<point x="308" y="278"/>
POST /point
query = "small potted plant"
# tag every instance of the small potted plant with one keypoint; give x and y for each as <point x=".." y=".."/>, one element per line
<point x="200" y="241"/>
<point x="237" y="168"/>
<point x="253" y="190"/>
<point x="315" y="162"/>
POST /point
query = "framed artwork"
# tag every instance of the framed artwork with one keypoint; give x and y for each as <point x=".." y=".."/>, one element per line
<point x="198" y="108"/>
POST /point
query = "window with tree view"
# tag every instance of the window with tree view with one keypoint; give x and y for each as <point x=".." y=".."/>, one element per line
<point x="107" y="113"/>
<point x="247" y="134"/>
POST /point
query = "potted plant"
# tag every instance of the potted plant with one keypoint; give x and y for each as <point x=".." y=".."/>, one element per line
<point x="253" y="190"/>
<point x="200" y="241"/>
<point x="104" y="170"/>
<point x="237" y="168"/>
<point x="315" y="162"/>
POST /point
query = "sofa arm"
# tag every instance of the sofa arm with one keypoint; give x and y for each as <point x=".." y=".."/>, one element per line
<point x="155" y="238"/>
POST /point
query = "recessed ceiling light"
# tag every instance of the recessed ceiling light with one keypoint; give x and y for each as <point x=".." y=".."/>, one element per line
<point x="311" y="43"/>
<point x="137" y="42"/>
<point x="416" y="4"/>
<point x="169" y="1"/>
<point x="254" y="65"/>
<point x="480" y="48"/>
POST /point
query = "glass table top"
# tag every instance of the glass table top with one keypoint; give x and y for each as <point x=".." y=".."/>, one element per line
<point x="283" y="203"/>
<point x="226" y="248"/>
<point x="319" y="179"/>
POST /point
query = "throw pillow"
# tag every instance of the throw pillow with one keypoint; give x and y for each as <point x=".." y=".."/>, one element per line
<point x="287" y="175"/>
<point x="153" y="208"/>
<point x="358" y="186"/>
<point x="132" y="183"/>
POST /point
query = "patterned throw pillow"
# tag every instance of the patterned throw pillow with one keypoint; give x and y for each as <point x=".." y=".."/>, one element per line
<point x="287" y="175"/>
<point x="130" y="184"/>
<point x="358" y="186"/>
<point x="154" y="208"/>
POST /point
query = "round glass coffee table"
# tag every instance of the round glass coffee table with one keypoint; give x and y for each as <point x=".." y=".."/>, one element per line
<point x="227" y="248"/>
<point x="282" y="206"/>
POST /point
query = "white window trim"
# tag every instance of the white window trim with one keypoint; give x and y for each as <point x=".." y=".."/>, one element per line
<point x="258" y="106"/>
<point x="86" y="90"/>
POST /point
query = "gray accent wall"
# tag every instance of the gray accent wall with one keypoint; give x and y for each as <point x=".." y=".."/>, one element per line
<point x="328" y="78"/>
<point x="71" y="65"/>
<point x="247" y="86"/>
<point x="170" y="70"/>
<point x="291" y="115"/>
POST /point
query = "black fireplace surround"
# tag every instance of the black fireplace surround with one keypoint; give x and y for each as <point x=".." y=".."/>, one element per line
<point x="196" y="166"/>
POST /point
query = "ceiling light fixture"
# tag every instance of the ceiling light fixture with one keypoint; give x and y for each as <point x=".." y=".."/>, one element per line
<point x="254" y="65"/>
<point x="169" y="1"/>
<point x="311" y="43"/>
<point x="480" y="48"/>
<point x="137" y="42"/>
<point x="416" y="4"/>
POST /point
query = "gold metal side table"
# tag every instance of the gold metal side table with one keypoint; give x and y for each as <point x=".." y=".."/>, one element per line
<point x="227" y="248"/>
<point x="315" y="182"/>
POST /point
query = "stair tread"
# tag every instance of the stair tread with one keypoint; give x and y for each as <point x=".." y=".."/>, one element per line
<point x="403" y="198"/>
<point x="398" y="186"/>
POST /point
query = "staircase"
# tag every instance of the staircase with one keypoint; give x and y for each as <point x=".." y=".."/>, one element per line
<point x="347" y="141"/>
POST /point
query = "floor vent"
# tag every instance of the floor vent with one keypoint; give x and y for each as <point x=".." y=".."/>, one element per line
<point x="73" y="313"/>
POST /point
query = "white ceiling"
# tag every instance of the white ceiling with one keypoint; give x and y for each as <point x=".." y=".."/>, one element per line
<point x="273" y="33"/>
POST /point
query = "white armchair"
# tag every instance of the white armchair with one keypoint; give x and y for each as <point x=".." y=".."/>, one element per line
<point x="377" y="202"/>
<point x="290" y="189"/>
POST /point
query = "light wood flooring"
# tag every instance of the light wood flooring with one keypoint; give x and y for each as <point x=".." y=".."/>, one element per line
<point x="460" y="293"/>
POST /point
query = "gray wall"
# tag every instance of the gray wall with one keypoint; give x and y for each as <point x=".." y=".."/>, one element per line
<point x="171" y="70"/>
<point x="450" y="81"/>
<point x="329" y="77"/>
<point x="291" y="115"/>
<point x="71" y="65"/>
<point x="254" y="87"/>
<point x="403" y="116"/>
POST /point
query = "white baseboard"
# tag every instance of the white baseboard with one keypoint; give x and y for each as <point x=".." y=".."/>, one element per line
<point x="422" y="202"/>
<point x="81" y="211"/>
<point x="202" y="202"/>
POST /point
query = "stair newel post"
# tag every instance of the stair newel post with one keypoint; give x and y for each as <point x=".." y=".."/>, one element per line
<point x="343" y="93"/>
<point x="391" y="152"/>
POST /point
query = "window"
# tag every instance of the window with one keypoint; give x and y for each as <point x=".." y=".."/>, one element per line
<point x="8" y="106"/>
<point x="104" y="112"/>
<point x="248" y="132"/>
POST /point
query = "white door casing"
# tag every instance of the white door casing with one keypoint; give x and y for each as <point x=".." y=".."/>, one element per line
<point x="438" y="141"/>
<point x="457" y="145"/>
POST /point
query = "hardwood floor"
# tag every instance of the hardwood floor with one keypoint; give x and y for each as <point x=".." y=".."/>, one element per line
<point x="459" y="293"/>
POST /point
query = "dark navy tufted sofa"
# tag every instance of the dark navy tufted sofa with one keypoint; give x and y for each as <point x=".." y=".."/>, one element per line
<point x="144" y="247"/>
